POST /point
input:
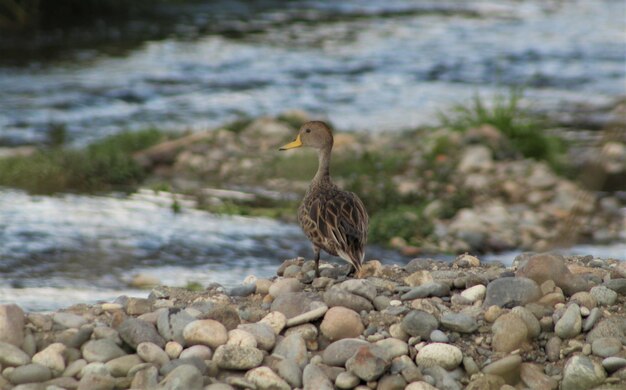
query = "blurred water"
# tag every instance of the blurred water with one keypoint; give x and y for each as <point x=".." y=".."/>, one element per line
<point x="368" y="66"/>
<point x="59" y="250"/>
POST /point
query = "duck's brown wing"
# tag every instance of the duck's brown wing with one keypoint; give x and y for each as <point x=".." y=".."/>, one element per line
<point x="338" y="224"/>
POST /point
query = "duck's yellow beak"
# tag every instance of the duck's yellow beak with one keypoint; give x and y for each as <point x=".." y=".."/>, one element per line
<point x="291" y="145"/>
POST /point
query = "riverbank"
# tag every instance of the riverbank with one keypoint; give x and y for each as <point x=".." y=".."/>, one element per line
<point x="546" y="321"/>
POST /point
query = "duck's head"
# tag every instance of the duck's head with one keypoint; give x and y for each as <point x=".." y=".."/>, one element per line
<point x="315" y="134"/>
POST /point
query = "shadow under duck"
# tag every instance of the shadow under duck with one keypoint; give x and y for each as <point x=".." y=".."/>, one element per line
<point x="334" y="220"/>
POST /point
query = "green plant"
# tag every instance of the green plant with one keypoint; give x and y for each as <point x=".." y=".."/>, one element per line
<point x="104" y="165"/>
<point x="525" y="132"/>
<point x="404" y="221"/>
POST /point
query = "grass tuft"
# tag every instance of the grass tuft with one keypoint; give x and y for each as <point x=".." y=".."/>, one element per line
<point x="525" y="132"/>
<point x="104" y="165"/>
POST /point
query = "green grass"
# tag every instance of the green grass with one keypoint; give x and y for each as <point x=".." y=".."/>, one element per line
<point x="104" y="165"/>
<point x="525" y="132"/>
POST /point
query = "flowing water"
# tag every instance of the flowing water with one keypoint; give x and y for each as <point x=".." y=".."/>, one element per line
<point x="366" y="66"/>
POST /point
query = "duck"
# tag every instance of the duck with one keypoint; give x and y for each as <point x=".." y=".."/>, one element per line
<point x="334" y="220"/>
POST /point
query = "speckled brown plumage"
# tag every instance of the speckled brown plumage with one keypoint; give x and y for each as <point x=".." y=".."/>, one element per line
<point x="334" y="220"/>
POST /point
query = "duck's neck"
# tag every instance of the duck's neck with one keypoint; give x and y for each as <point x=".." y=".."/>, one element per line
<point x="323" y="167"/>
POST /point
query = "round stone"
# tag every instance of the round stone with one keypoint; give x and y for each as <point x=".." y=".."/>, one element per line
<point x="581" y="373"/>
<point x="458" y="322"/>
<point x="241" y="338"/>
<point x="101" y="350"/>
<point x="509" y="291"/>
<point x="265" y="378"/>
<point x="508" y="366"/>
<point x="532" y="323"/>
<point x="234" y="357"/>
<point x="439" y="354"/>
<point x="263" y="334"/>
<point x="205" y="332"/>
<point x="419" y="323"/>
<point x="347" y="380"/>
<point x="341" y="323"/>
<point x="276" y="320"/>
<point x="201" y="352"/>
<point x="366" y="365"/>
<point x="438" y="336"/>
<point x="51" y="357"/>
<point x="603" y="295"/>
<point x="570" y="324"/>
<point x="337" y="353"/>
<point x="509" y="333"/>
<point x="606" y="346"/>
<point x="292" y="347"/>
<point x="152" y="353"/>
<point x="474" y="293"/>
<point x="286" y="285"/>
<point x="29" y="373"/>
<point x="173" y="349"/>
<point x="119" y="367"/>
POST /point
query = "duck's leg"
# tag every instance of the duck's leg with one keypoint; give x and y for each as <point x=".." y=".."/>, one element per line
<point x="317" y="261"/>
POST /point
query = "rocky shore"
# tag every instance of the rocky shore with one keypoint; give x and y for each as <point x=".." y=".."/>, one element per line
<point x="546" y="322"/>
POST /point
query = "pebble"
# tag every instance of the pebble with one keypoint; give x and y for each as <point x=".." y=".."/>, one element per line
<point x="184" y="377"/>
<point x="51" y="357"/>
<point x="613" y="363"/>
<point x="391" y="348"/>
<point x="201" y="352"/>
<point x="584" y="299"/>
<point x="532" y="323"/>
<point x="533" y="377"/>
<point x="438" y="336"/>
<point x="339" y="297"/>
<point x="581" y="373"/>
<point x="119" y="367"/>
<point x="234" y="357"/>
<point x="420" y="385"/>
<point x="96" y="382"/>
<point x="264" y="379"/>
<point x="314" y="378"/>
<point x="618" y="285"/>
<point x="172" y="322"/>
<point x="276" y="320"/>
<point x="152" y="353"/>
<point x="101" y="350"/>
<point x="418" y="278"/>
<point x="592" y="318"/>
<point x="318" y="309"/>
<point x="29" y="373"/>
<point x="430" y="289"/>
<point x="603" y="295"/>
<point x="135" y="331"/>
<point x="553" y="348"/>
<point x="337" y="353"/>
<point x="511" y="291"/>
<point x="341" y="323"/>
<point x="360" y="287"/>
<point x="68" y="320"/>
<point x="509" y="333"/>
<point x="347" y="380"/>
<point x="286" y="285"/>
<point x="292" y="348"/>
<point x="292" y="304"/>
<point x="508" y="367"/>
<point x="290" y="372"/>
<point x="440" y="354"/>
<point x="262" y="333"/>
<point x="205" y="332"/>
<point x="458" y="322"/>
<point x="242" y="338"/>
<point x="419" y="323"/>
<point x="474" y="293"/>
<point x="606" y="346"/>
<point x="366" y="365"/>
<point x="173" y="349"/>
<point x="11" y="324"/>
<point x="492" y="313"/>
<point x="570" y="324"/>
<point x="242" y="290"/>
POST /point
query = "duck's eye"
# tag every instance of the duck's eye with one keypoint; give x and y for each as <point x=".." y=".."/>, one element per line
<point x="308" y="130"/>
